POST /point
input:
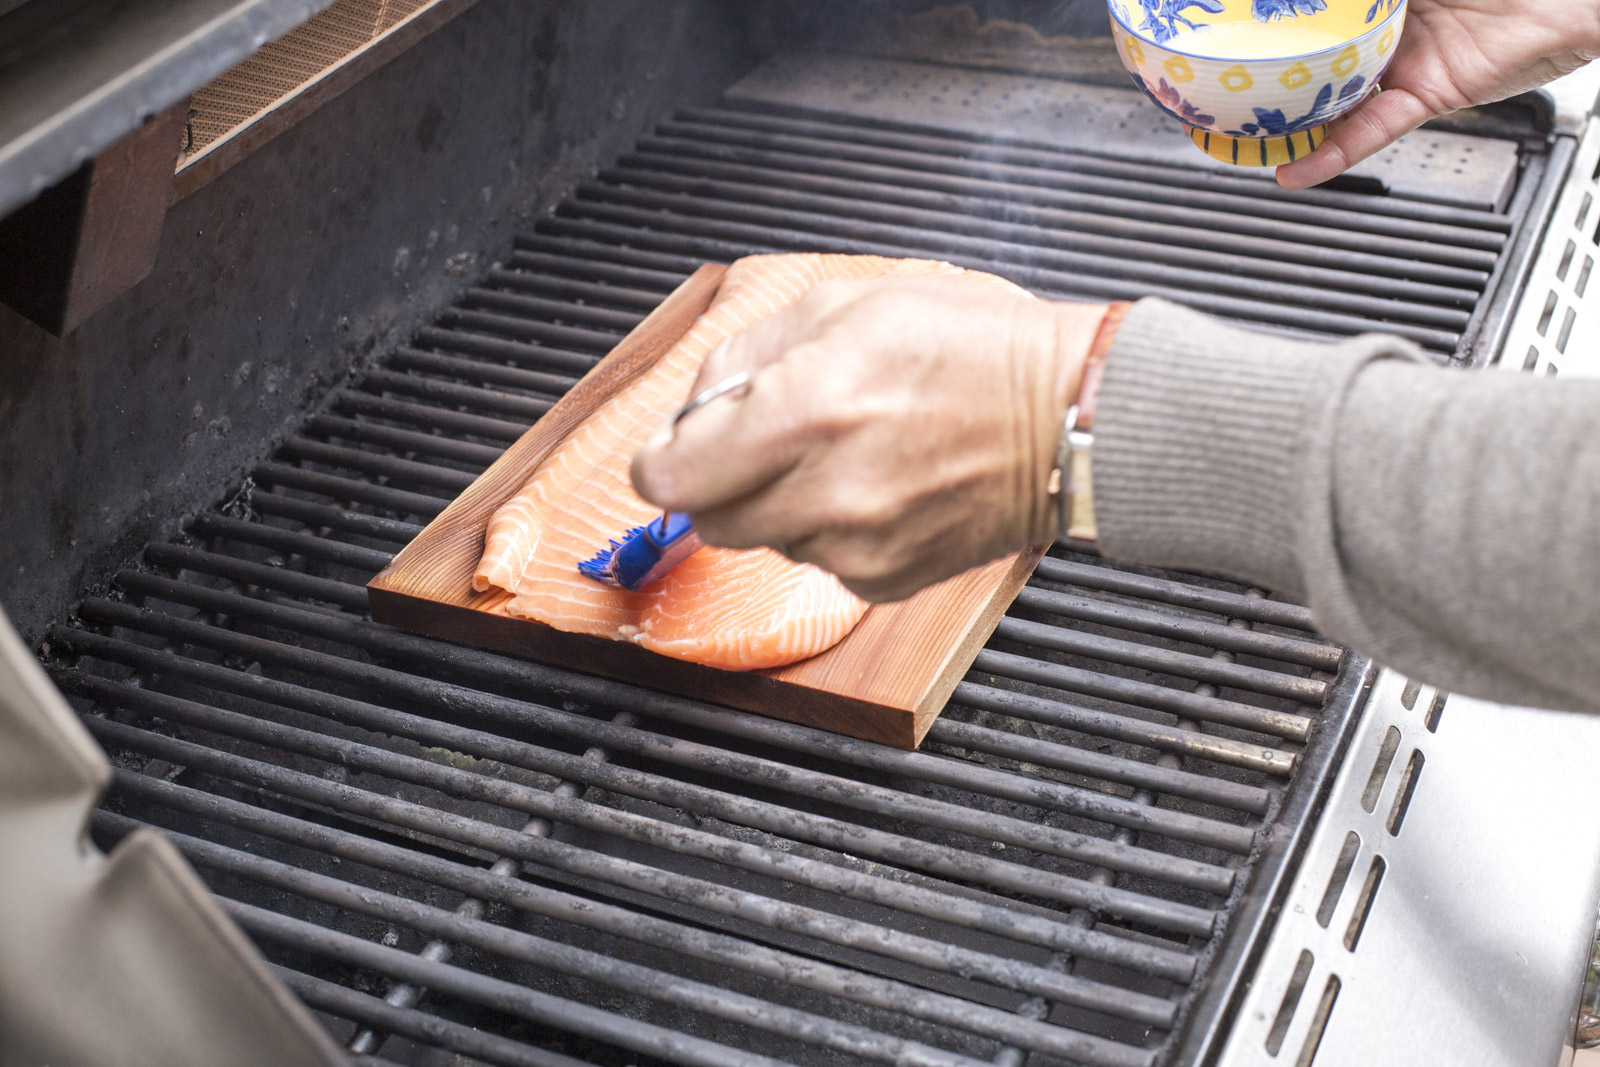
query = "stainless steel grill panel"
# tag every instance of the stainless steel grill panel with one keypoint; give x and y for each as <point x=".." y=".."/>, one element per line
<point x="531" y="866"/>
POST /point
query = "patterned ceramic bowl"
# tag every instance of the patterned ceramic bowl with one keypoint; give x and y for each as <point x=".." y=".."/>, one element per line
<point x="1256" y="82"/>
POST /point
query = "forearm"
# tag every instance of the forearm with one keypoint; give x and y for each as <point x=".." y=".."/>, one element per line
<point x="1442" y="522"/>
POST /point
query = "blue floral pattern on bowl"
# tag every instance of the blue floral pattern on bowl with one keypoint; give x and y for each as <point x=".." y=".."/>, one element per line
<point x="1163" y="17"/>
<point x="1381" y="7"/>
<point x="1266" y="10"/>
<point x="1323" y="110"/>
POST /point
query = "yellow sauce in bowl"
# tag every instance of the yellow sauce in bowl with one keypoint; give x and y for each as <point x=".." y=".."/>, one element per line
<point x="1248" y="39"/>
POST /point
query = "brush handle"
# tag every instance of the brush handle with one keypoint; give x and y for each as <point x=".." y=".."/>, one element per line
<point x="660" y="546"/>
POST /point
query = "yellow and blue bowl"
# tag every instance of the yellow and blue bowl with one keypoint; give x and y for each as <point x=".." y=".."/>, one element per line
<point x="1256" y="82"/>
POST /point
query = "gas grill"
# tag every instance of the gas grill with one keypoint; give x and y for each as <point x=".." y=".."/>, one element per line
<point x="1156" y="821"/>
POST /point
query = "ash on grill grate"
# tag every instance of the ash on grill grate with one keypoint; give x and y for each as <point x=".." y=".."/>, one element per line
<point x="526" y="865"/>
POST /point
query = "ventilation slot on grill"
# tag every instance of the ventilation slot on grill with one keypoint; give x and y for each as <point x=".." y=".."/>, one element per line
<point x="292" y="76"/>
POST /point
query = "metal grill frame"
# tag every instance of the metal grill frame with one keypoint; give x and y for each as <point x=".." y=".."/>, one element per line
<point x="1250" y="907"/>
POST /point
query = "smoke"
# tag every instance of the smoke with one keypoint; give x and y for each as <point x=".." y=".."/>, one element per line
<point x="846" y="25"/>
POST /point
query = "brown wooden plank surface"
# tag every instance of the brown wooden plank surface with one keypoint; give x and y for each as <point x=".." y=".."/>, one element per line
<point x="886" y="681"/>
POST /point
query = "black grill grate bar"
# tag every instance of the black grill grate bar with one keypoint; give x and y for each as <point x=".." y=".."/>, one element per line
<point x="179" y="557"/>
<point x="944" y="235"/>
<point x="479" y="370"/>
<point x="647" y="270"/>
<point x="1052" y="711"/>
<point x="1314" y="654"/>
<point x="1027" y="751"/>
<point x="545" y="282"/>
<point x="1221" y="602"/>
<point x="1192" y="705"/>
<point x="319" y="552"/>
<point x="323" y="517"/>
<point x="940" y="904"/>
<point x="523" y="329"/>
<point x="720" y="948"/>
<point x="1311" y="692"/>
<point x="398" y="501"/>
<point x="515" y="352"/>
<point x="406" y="995"/>
<point x="512" y="945"/>
<point x="938" y="956"/>
<point x="383" y="464"/>
<point x="1329" y="207"/>
<point x="432" y="416"/>
<point x="543" y="238"/>
<point x="1157" y="247"/>
<point x="446" y="392"/>
<point x="326" y="563"/>
<point x="292" y="542"/>
<point x="368" y="432"/>
<point x="562" y="311"/>
<point x="1198" y="787"/>
<point x="510" y="998"/>
<point x="515" y="999"/>
<point x="362" y="1009"/>
<point x="1110" y="650"/>
<point x="793" y="780"/>
<point x="720" y="240"/>
<point x="1108" y="210"/>
<point x="918" y="811"/>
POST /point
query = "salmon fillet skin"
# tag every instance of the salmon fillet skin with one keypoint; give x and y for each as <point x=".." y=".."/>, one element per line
<point x="735" y="610"/>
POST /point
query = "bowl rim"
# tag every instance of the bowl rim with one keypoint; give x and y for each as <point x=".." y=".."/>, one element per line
<point x="1111" y="7"/>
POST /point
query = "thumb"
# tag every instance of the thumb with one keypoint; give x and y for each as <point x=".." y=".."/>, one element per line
<point x="1373" y="126"/>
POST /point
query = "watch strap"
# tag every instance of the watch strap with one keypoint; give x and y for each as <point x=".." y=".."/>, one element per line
<point x="1070" y="481"/>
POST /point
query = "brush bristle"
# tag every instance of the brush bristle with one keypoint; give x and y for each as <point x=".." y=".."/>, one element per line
<point x="598" y="567"/>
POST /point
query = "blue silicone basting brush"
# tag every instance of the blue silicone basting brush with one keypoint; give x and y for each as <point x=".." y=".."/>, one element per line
<point x="645" y="554"/>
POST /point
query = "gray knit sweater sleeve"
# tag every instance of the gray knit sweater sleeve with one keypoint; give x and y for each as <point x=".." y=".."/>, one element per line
<point x="1446" y="523"/>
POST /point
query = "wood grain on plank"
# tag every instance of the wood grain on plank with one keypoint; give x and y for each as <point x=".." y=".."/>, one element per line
<point x="887" y="681"/>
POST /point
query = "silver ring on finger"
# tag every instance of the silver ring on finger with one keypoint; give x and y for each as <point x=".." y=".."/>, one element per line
<point x="733" y="384"/>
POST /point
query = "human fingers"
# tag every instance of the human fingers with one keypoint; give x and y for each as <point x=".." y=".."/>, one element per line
<point x="1365" y="131"/>
<point x="765" y="341"/>
<point x="748" y="351"/>
<point x="726" y="450"/>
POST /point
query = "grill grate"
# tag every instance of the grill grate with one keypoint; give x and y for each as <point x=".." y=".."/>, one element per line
<point x="524" y="865"/>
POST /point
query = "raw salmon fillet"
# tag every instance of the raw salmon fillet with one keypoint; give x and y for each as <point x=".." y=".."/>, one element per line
<point x="737" y="610"/>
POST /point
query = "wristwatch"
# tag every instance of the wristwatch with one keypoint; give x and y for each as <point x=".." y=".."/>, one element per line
<point x="1071" y="482"/>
